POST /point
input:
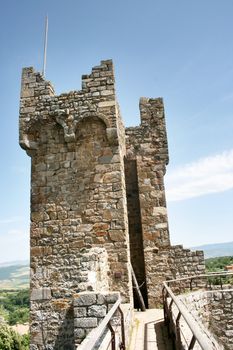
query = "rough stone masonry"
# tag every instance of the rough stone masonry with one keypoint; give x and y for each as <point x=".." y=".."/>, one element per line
<point x="97" y="201"/>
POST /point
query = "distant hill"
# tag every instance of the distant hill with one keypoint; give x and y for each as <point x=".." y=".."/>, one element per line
<point x="15" y="262"/>
<point x="14" y="276"/>
<point x="216" y="249"/>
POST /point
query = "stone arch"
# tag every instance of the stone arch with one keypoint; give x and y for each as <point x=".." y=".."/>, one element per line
<point x="70" y="123"/>
<point x="111" y="132"/>
<point x="90" y="131"/>
<point x="40" y="132"/>
<point x="101" y="116"/>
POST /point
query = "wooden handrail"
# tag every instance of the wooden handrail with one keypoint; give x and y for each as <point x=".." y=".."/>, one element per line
<point x="198" y="333"/>
<point x="212" y="274"/>
<point x="201" y="338"/>
<point x="137" y="289"/>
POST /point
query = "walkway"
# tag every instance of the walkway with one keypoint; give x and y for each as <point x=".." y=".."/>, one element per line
<point x="149" y="332"/>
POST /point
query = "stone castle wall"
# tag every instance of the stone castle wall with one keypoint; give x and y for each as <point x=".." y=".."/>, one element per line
<point x="97" y="200"/>
<point x="169" y="263"/>
<point x="213" y="310"/>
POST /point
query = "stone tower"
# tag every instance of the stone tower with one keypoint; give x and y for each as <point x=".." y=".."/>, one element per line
<point x="97" y="200"/>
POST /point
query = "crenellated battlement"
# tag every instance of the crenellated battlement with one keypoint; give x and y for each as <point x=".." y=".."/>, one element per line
<point x="150" y="138"/>
<point x="39" y="105"/>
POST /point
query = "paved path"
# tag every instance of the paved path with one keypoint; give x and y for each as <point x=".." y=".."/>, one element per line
<point x="149" y="332"/>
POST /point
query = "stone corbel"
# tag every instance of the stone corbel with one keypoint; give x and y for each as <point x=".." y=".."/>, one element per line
<point x="27" y="135"/>
<point x="26" y="144"/>
<point x="68" y="123"/>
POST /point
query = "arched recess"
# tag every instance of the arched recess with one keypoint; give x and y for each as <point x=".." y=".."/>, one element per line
<point x="101" y="116"/>
<point x="91" y="142"/>
<point x="111" y="131"/>
<point x="39" y="132"/>
<point x="46" y="163"/>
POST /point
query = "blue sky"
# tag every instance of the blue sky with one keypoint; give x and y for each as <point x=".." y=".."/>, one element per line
<point x="180" y="50"/>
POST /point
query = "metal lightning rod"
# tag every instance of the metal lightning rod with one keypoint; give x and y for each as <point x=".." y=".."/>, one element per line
<point x="45" y="45"/>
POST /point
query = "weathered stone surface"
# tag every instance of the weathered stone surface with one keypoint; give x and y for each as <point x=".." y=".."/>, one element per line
<point x="89" y="322"/>
<point x="97" y="311"/>
<point x="84" y="299"/>
<point x="80" y="311"/>
<point x="40" y="294"/>
<point x="89" y="316"/>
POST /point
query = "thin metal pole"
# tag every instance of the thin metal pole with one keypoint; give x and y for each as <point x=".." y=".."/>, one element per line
<point x="113" y="340"/>
<point x="45" y="45"/>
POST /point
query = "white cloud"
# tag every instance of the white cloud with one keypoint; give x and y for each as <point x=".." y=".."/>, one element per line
<point x="10" y="220"/>
<point x="206" y="175"/>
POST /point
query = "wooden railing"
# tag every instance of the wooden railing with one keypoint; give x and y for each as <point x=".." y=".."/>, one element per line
<point x="172" y="319"/>
<point x="97" y="335"/>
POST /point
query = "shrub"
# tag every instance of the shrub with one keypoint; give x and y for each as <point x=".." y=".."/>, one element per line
<point x="9" y="339"/>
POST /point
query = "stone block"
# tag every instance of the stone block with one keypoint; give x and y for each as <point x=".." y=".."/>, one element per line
<point x="80" y="312"/>
<point x="97" y="311"/>
<point x="117" y="235"/>
<point x="100" y="299"/>
<point x="106" y="104"/>
<point x="85" y="322"/>
<point x="107" y="92"/>
<point x="112" y="297"/>
<point x="85" y="299"/>
<point x="105" y="159"/>
<point x="40" y="294"/>
<point x="79" y="333"/>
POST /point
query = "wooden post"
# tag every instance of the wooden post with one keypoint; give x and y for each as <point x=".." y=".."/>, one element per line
<point x="138" y="292"/>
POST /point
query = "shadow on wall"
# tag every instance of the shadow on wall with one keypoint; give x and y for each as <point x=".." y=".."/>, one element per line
<point x="65" y="336"/>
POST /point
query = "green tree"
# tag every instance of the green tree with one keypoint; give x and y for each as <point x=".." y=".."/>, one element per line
<point x="25" y="340"/>
<point x="20" y="315"/>
<point x="218" y="264"/>
<point x="9" y="339"/>
<point x="3" y="313"/>
<point x="14" y="306"/>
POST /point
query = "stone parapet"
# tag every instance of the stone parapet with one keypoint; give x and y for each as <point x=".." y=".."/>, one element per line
<point x="89" y="310"/>
<point x="51" y="306"/>
<point x="170" y="263"/>
<point x="40" y="106"/>
<point x="213" y="310"/>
